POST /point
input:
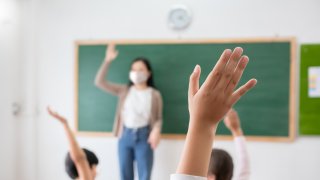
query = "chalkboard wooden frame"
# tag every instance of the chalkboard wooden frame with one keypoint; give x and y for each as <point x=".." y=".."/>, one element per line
<point x="292" y="90"/>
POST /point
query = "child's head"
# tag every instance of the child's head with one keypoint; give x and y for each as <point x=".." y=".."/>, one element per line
<point x="71" y="167"/>
<point x="221" y="165"/>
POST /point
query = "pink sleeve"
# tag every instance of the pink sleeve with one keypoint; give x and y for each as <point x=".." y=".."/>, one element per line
<point x="243" y="164"/>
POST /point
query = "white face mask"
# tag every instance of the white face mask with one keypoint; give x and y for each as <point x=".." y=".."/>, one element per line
<point x="138" y="77"/>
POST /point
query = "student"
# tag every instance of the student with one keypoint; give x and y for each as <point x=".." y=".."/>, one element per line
<point x="208" y="104"/>
<point x="138" y="118"/>
<point x="221" y="165"/>
<point x="80" y="163"/>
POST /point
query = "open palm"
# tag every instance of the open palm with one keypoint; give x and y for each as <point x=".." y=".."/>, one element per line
<point x="56" y="116"/>
<point x="111" y="52"/>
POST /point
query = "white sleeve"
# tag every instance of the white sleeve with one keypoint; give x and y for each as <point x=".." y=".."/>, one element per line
<point x="186" y="177"/>
<point x="243" y="166"/>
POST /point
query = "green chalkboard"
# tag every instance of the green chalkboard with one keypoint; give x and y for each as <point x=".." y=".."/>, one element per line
<point x="309" y="106"/>
<point x="264" y="111"/>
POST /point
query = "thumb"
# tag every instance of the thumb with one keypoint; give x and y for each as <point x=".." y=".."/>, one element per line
<point x="194" y="81"/>
<point x="116" y="53"/>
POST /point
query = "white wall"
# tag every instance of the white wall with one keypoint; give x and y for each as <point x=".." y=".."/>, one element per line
<point x="56" y="24"/>
<point x="27" y="126"/>
<point x="9" y="80"/>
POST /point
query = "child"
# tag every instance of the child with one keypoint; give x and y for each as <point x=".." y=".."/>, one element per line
<point x="208" y="104"/>
<point x="80" y="163"/>
<point x="221" y="165"/>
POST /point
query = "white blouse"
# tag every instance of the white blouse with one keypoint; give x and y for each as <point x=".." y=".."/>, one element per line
<point x="137" y="108"/>
<point x="242" y="168"/>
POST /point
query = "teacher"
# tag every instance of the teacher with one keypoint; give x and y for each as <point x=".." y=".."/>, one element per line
<point x="138" y="118"/>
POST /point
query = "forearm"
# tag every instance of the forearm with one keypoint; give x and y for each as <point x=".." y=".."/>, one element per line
<point x="102" y="72"/>
<point x="243" y="166"/>
<point x="76" y="152"/>
<point x="196" y="155"/>
<point x="237" y="132"/>
<point x="156" y="129"/>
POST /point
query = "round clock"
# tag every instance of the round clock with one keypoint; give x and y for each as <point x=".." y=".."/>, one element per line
<point x="179" y="17"/>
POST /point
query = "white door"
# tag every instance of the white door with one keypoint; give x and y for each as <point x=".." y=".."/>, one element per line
<point x="9" y="87"/>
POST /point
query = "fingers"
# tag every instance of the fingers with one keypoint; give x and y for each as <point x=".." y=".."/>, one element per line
<point x="194" y="81"/>
<point x="53" y="113"/>
<point x="50" y="111"/>
<point x="218" y="69"/>
<point x="115" y="55"/>
<point x="230" y="112"/>
<point x="242" y="91"/>
<point x="226" y="122"/>
<point x="152" y="143"/>
<point x="110" y="48"/>
<point x="153" y="146"/>
<point x="237" y="75"/>
<point x="230" y="68"/>
<point x="111" y="45"/>
<point x="233" y="116"/>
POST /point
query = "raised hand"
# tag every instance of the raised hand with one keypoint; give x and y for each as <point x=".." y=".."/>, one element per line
<point x="57" y="116"/>
<point x="111" y="52"/>
<point x="232" y="122"/>
<point x="207" y="106"/>
<point x="210" y="102"/>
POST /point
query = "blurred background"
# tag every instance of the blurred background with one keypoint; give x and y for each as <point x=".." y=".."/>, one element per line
<point x="37" y="68"/>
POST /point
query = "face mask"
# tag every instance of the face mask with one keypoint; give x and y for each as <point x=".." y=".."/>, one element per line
<point x="138" y="77"/>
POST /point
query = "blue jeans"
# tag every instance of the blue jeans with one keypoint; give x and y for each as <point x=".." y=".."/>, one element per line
<point x="133" y="146"/>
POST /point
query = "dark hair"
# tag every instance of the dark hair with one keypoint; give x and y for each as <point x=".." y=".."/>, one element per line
<point x="221" y="165"/>
<point x="71" y="167"/>
<point x="146" y="62"/>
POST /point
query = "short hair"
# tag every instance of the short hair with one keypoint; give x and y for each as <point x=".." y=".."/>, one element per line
<point x="71" y="167"/>
<point x="221" y="165"/>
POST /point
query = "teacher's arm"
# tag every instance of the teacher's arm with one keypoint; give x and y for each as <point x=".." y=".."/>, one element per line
<point x="155" y="134"/>
<point x="101" y="79"/>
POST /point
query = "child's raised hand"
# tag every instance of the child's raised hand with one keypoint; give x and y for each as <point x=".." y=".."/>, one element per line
<point x="210" y="102"/>
<point x="232" y="120"/>
<point x="57" y="116"/>
<point x="111" y="52"/>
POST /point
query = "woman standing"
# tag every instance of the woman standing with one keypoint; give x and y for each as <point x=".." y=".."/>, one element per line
<point x="138" y="118"/>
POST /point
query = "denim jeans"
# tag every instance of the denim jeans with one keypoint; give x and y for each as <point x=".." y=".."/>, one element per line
<point x="133" y="147"/>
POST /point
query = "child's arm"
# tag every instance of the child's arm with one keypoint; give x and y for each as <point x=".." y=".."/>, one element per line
<point x="232" y="122"/>
<point x="100" y="80"/>
<point x="77" y="154"/>
<point x="207" y="106"/>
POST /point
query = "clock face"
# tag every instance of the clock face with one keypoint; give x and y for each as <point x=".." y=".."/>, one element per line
<point x="179" y="18"/>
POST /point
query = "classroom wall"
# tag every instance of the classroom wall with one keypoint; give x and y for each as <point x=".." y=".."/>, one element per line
<point x="9" y="80"/>
<point x="27" y="127"/>
<point x="51" y="27"/>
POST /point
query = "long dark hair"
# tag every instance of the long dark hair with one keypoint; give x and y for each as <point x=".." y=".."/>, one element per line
<point x="146" y="62"/>
<point x="221" y="165"/>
